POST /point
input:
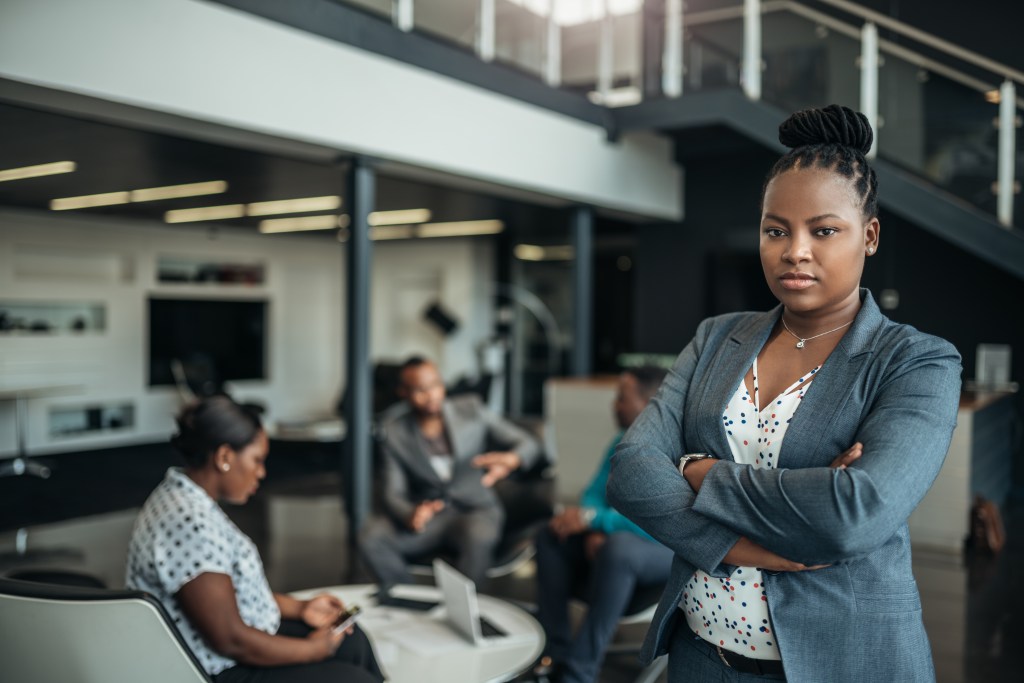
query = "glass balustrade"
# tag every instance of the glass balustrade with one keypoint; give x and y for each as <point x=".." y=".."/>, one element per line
<point x="936" y="124"/>
<point x="520" y="37"/>
<point x="452" y="20"/>
<point x="379" y="7"/>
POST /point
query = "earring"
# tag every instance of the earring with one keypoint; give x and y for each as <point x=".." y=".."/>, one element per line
<point x="225" y="467"/>
<point x="871" y="250"/>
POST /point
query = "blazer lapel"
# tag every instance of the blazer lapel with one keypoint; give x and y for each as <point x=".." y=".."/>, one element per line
<point x="456" y="432"/>
<point x="413" y="451"/>
<point x="727" y="369"/>
<point x="830" y="391"/>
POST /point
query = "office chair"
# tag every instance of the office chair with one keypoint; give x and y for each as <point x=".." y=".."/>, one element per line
<point x="77" y="634"/>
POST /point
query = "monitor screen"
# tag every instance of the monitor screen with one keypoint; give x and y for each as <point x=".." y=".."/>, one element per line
<point x="214" y="340"/>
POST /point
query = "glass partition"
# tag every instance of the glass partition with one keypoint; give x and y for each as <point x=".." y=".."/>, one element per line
<point x="712" y="54"/>
<point x="520" y="37"/>
<point x="580" y="49"/>
<point x="453" y="20"/>
<point x="380" y="7"/>
<point x="807" y="64"/>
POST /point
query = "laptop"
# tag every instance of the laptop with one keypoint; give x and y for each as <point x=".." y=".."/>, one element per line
<point x="462" y="611"/>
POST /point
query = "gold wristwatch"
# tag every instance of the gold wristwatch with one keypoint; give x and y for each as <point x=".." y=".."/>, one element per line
<point x="690" y="457"/>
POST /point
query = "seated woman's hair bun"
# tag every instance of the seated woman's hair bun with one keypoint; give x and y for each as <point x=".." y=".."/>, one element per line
<point x="834" y="124"/>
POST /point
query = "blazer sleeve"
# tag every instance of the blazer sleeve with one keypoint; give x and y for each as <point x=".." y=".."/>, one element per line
<point x="503" y="435"/>
<point x="395" y="496"/>
<point x="645" y="484"/>
<point x="821" y="515"/>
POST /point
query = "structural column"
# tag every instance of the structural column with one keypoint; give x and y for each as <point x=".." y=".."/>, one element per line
<point x="357" y="452"/>
<point x="582" y="231"/>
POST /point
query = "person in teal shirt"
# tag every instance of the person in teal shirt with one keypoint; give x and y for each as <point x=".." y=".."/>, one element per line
<point x="593" y="545"/>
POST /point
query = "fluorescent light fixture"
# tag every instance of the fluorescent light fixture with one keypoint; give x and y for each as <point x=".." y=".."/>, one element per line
<point x="300" y="205"/>
<point x="535" y="252"/>
<point x="89" y="200"/>
<point x="301" y="224"/>
<point x="399" y="217"/>
<point x="393" y="232"/>
<point x="152" y="194"/>
<point x="37" y="170"/>
<point x="205" y="213"/>
<point x="460" y="228"/>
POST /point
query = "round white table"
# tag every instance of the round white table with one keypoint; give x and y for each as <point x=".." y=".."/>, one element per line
<point x="420" y="647"/>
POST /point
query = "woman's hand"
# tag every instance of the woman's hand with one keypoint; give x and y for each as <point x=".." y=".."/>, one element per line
<point x="321" y="610"/>
<point x="695" y="471"/>
<point x="324" y="642"/>
<point x="746" y="553"/>
<point x="848" y="456"/>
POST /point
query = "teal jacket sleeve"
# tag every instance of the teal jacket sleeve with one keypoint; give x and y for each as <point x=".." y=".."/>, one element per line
<point x="607" y="519"/>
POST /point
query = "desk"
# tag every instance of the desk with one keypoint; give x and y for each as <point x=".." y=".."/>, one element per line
<point x="419" y="647"/>
<point x="979" y="463"/>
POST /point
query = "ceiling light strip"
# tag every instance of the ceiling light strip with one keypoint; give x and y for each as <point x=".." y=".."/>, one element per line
<point x="152" y="194"/>
<point x="205" y="213"/>
<point x="90" y="200"/>
<point x="301" y="205"/>
<point x="461" y="228"/>
<point x="274" y="225"/>
<point x="37" y="171"/>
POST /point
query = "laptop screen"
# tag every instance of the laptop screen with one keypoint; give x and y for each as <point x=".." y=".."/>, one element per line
<point x="460" y="603"/>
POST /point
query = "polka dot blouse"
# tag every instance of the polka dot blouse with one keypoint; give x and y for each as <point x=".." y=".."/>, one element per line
<point x="182" y="533"/>
<point x="733" y="613"/>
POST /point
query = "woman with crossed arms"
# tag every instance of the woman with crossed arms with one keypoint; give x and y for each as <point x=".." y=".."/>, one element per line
<point x="785" y="450"/>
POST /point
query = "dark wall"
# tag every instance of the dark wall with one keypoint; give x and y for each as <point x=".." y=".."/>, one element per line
<point x="679" y="268"/>
<point x="708" y="265"/>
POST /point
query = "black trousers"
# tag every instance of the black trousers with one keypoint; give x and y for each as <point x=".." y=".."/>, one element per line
<point x="353" y="662"/>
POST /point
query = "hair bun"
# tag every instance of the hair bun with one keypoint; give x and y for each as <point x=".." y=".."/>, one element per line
<point x="834" y="124"/>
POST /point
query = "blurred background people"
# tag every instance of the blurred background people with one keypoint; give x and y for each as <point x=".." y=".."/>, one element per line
<point x="441" y="458"/>
<point x="208" y="574"/>
<point x="593" y="545"/>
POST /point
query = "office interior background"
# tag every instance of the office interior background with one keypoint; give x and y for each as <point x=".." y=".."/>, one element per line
<point x="524" y="190"/>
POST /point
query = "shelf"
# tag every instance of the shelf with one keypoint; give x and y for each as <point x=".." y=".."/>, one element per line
<point x="42" y="317"/>
<point x="185" y="270"/>
<point x="94" y="418"/>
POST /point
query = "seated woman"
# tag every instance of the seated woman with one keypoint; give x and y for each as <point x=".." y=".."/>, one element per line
<point x="185" y="551"/>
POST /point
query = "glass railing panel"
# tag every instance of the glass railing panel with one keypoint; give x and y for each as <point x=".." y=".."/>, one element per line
<point x="627" y="53"/>
<point x="807" y="64"/>
<point x="452" y="20"/>
<point x="712" y="54"/>
<point x="580" y="49"/>
<point x="940" y="129"/>
<point x="520" y="37"/>
<point x="379" y="7"/>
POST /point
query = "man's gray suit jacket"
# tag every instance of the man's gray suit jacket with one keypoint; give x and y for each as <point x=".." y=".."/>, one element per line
<point x="889" y="386"/>
<point x="472" y="429"/>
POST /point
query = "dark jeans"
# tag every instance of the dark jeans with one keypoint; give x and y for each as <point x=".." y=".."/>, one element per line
<point x="353" y="662"/>
<point x="624" y="561"/>
<point x="691" y="660"/>
<point x="470" y="534"/>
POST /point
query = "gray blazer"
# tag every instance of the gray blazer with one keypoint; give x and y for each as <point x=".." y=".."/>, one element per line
<point x="408" y="476"/>
<point x="887" y="385"/>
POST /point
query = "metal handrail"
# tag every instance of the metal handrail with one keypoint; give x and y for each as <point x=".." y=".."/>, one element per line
<point x="840" y="26"/>
<point x="929" y="40"/>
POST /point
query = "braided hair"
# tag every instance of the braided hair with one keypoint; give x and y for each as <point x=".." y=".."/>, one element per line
<point x="835" y="138"/>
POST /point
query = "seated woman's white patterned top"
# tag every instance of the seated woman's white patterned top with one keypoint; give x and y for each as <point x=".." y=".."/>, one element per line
<point x="181" y="533"/>
<point x="733" y="613"/>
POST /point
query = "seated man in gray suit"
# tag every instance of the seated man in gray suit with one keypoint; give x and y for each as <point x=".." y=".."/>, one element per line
<point x="441" y="459"/>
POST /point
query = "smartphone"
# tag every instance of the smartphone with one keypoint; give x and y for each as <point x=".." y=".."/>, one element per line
<point x="346" y="618"/>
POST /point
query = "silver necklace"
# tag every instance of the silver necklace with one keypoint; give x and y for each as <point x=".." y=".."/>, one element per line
<point x="802" y="341"/>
